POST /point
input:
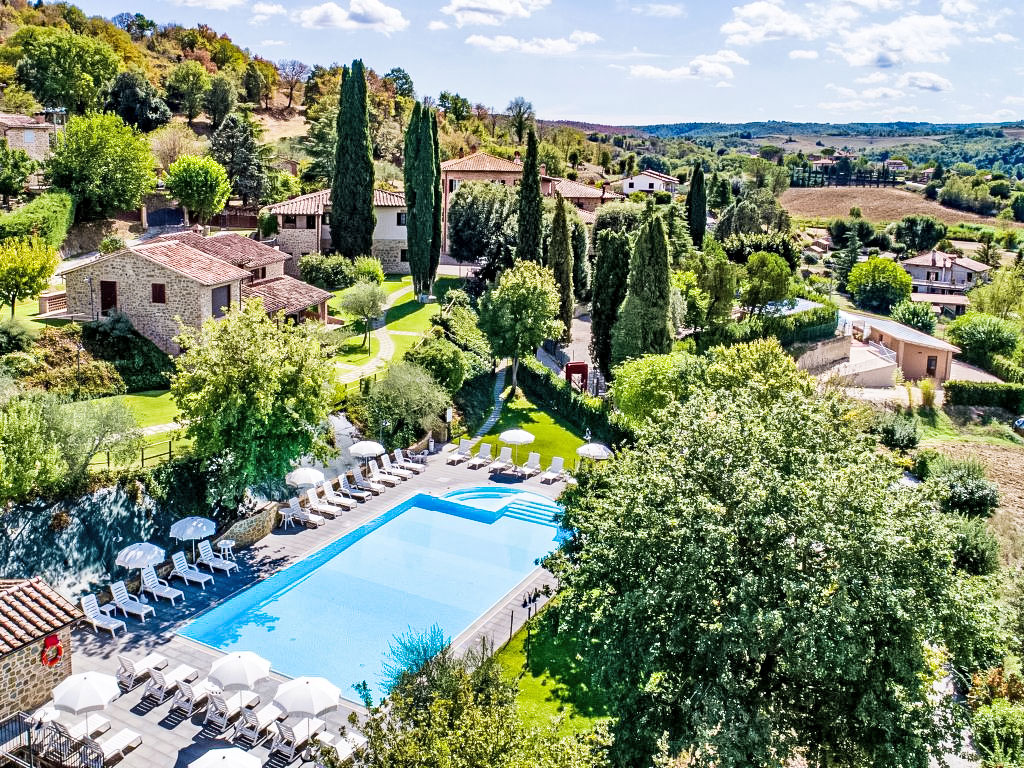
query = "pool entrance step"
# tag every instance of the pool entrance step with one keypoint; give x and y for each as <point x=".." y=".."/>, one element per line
<point x="530" y="512"/>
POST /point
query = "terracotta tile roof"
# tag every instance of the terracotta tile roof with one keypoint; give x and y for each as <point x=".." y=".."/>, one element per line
<point x="576" y="190"/>
<point x="30" y="610"/>
<point x="230" y="247"/>
<point x="942" y="260"/>
<point x="315" y="203"/>
<point x="483" y="163"/>
<point x="587" y="217"/>
<point x="20" y="121"/>
<point x="187" y="261"/>
<point x="284" y="294"/>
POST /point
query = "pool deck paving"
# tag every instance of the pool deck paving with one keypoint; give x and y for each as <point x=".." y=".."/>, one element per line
<point x="176" y="741"/>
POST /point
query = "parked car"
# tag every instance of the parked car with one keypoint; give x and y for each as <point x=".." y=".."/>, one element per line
<point x="1018" y="426"/>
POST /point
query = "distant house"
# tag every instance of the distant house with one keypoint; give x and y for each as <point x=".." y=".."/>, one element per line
<point x="190" y="278"/>
<point x="478" y="166"/>
<point x="926" y="174"/>
<point x="896" y="166"/>
<point x="953" y="303"/>
<point x="944" y="273"/>
<point x="32" y="134"/>
<point x="583" y="196"/>
<point x="916" y="353"/>
<point x="650" y="181"/>
<point x="822" y="164"/>
<point x="304" y="226"/>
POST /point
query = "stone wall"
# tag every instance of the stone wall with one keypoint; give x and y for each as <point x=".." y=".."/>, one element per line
<point x="297" y="241"/>
<point x="390" y="254"/>
<point x="249" y="530"/>
<point x="25" y="682"/>
<point x="822" y="354"/>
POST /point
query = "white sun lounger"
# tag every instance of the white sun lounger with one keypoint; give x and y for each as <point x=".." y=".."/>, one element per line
<point x="461" y="453"/>
<point x="554" y="472"/>
<point x="131" y="672"/>
<point x="342" y="747"/>
<point x="391" y="469"/>
<point x="532" y="465"/>
<point x="254" y="725"/>
<point x="183" y="570"/>
<point x="354" y="493"/>
<point x="222" y="710"/>
<point x="482" y="458"/>
<point x="97" y="618"/>
<point x="503" y="462"/>
<point x="366" y="484"/>
<point x="162" y="684"/>
<point x="157" y="587"/>
<point x="333" y="497"/>
<point x="129" y="605"/>
<point x="212" y="561"/>
<point x="376" y="476"/>
<point x="408" y="463"/>
<point x="192" y="697"/>
<point x="93" y="726"/>
<point x="116" y="745"/>
<point x="320" y="506"/>
<point x="295" y="514"/>
<point x="290" y="739"/>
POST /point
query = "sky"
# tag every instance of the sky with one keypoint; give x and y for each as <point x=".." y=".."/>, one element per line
<point x="624" y="62"/>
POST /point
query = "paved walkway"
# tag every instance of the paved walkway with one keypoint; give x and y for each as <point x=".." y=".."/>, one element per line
<point x="386" y="347"/>
<point x="499" y="403"/>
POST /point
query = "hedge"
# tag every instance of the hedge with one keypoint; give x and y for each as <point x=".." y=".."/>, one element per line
<point x="801" y="327"/>
<point x="556" y="394"/>
<point x="49" y="217"/>
<point x="1006" y="369"/>
<point x="989" y="394"/>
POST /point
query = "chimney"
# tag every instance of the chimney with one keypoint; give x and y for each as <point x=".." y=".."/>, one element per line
<point x="462" y="152"/>
<point x="543" y="169"/>
<point x="518" y="158"/>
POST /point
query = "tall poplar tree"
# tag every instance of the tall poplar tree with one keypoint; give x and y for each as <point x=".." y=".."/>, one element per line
<point x="422" y="173"/>
<point x="352" y="217"/>
<point x="560" y="259"/>
<point x="531" y="205"/>
<point x="697" y="204"/>
<point x="611" y="273"/>
<point x="435" y="243"/>
<point x="643" y="324"/>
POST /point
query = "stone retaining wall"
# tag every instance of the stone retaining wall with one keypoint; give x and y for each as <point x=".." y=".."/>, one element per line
<point x="25" y="682"/>
<point x="249" y="530"/>
<point x="823" y="354"/>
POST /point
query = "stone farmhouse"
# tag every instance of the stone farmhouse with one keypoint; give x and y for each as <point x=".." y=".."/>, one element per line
<point x="650" y="182"/>
<point x="304" y="226"/>
<point x="188" y="278"/>
<point x="32" y="134"/>
<point x="944" y="273"/>
<point x="586" y="198"/>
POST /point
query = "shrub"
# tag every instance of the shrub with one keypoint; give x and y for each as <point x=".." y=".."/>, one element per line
<point x="16" y="335"/>
<point x="918" y="233"/>
<point x="111" y="243"/>
<point x="931" y="190"/>
<point x="878" y="284"/>
<point x="898" y="431"/>
<point x="924" y="460"/>
<point x="662" y="197"/>
<point x="455" y="297"/>
<point x="1010" y="397"/>
<point x="981" y="337"/>
<point x="927" y="387"/>
<point x="916" y="314"/>
<point x="267" y="225"/>
<point x="999" y="733"/>
<point x="976" y="548"/>
<point x="402" y="405"/>
<point x="739" y="248"/>
<point x="442" y="360"/>
<point x="810" y="325"/>
<point x="139" y="362"/>
<point x="963" y="488"/>
<point x="19" y="364"/>
<point x="995" y="683"/>
<point x="367" y="269"/>
<point x="49" y="217"/>
<point x="1007" y="369"/>
<point x="461" y="328"/>
<point x="67" y="370"/>
<point x="331" y="272"/>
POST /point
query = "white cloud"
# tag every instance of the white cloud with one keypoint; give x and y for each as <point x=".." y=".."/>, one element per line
<point x="361" y="14"/>
<point x="491" y="12"/>
<point x="1004" y="37"/>
<point x="913" y="39"/>
<point x="874" y="77"/>
<point x="661" y="10"/>
<point x="544" y="46"/>
<point x="211" y="5"/>
<point x="271" y="43"/>
<point x="437" y="25"/>
<point x="1015" y="100"/>
<point x="925" y="81"/>
<point x="882" y="92"/>
<point x="710" y="66"/>
<point x="958" y="7"/>
<point x="764" y="20"/>
<point x="261" y="12"/>
<point x="803" y="54"/>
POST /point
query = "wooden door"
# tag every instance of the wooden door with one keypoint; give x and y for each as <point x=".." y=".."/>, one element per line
<point x="108" y="296"/>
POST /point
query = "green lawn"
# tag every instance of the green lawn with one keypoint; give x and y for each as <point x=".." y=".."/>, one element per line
<point x="966" y="425"/>
<point x="554" y="436"/>
<point x="354" y="351"/>
<point x="393" y="283"/>
<point x="402" y="345"/>
<point x="407" y="314"/>
<point x="28" y="311"/>
<point x="151" y="408"/>
<point x="552" y="685"/>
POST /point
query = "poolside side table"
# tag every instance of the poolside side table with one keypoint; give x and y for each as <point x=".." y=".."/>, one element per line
<point x="108" y="609"/>
<point x="227" y="548"/>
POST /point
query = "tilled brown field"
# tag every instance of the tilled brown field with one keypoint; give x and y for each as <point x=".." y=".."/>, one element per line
<point x="876" y="204"/>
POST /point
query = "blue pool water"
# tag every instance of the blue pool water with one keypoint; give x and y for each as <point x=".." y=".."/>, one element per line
<point x="427" y="561"/>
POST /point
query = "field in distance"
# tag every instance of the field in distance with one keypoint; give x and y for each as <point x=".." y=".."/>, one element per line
<point x="859" y="144"/>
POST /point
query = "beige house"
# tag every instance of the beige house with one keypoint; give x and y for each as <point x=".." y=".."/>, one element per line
<point x="304" y="226"/>
<point x="944" y="273"/>
<point x="583" y="196"/>
<point x="916" y="353"/>
<point x="188" y="278"/>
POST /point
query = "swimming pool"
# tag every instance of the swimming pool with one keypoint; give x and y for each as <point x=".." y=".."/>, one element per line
<point x="429" y="560"/>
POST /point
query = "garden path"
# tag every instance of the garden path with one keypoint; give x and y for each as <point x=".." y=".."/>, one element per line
<point x="385" y="351"/>
<point x="499" y="403"/>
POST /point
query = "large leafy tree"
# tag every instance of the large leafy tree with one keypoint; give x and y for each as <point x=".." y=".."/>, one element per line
<point x="520" y="313"/>
<point x="1003" y="295"/>
<point x="200" y="184"/>
<point x="697" y="203"/>
<point x="106" y="165"/>
<point x="26" y="266"/>
<point x="352" y="216"/>
<point x="137" y="102"/>
<point x="321" y="143"/>
<point x="292" y="72"/>
<point x="520" y="117"/>
<point x="756" y="585"/>
<point x="919" y="233"/>
<point x="402" y="82"/>
<point x="187" y="85"/>
<point x="531" y="205"/>
<point x="63" y="69"/>
<point x="251" y="393"/>
<point x="422" y="199"/>
<point x="560" y="259"/>
<point x="642" y="326"/>
<point x="236" y="146"/>
<point x="482" y="226"/>
<point x="220" y="99"/>
<point x="611" y="275"/>
<point x="15" y="168"/>
<point x="767" y="280"/>
<point x="878" y="284"/>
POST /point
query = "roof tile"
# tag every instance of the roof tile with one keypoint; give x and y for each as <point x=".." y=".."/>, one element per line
<point x="29" y="610"/>
<point x="481" y="162"/>
<point x="285" y="294"/>
<point x="230" y="247"/>
<point x="194" y="264"/>
<point x="315" y="203"/>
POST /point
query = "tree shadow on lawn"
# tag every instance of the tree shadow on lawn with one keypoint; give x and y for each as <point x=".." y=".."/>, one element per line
<point x="404" y="309"/>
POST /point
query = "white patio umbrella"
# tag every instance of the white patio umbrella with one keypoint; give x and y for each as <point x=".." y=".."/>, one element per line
<point x="227" y="758"/>
<point x="304" y="476"/>
<point x="240" y="670"/>
<point x="307" y="696"/>
<point x="139" y="555"/>
<point x="85" y="692"/>
<point x="366" y="449"/>
<point x="193" y="529"/>
<point x="595" y="451"/>
<point x="515" y="438"/>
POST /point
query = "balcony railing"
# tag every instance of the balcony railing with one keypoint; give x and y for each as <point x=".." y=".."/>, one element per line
<point x="883" y="351"/>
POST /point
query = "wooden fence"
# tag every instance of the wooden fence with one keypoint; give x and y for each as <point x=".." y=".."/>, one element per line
<point x="235" y="220"/>
<point x="149" y="454"/>
<point x="805" y="177"/>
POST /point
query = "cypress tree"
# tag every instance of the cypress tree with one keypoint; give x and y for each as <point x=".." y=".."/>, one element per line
<point x="422" y="174"/>
<point x="697" y="204"/>
<point x="435" y="182"/>
<point x="560" y="261"/>
<point x="531" y="205"/>
<point x="352" y="217"/>
<point x="611" y="273"/>
<point x="643" y="327"/>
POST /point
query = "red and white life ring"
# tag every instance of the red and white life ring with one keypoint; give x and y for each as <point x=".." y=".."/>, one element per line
<point x="53" y="651"/>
